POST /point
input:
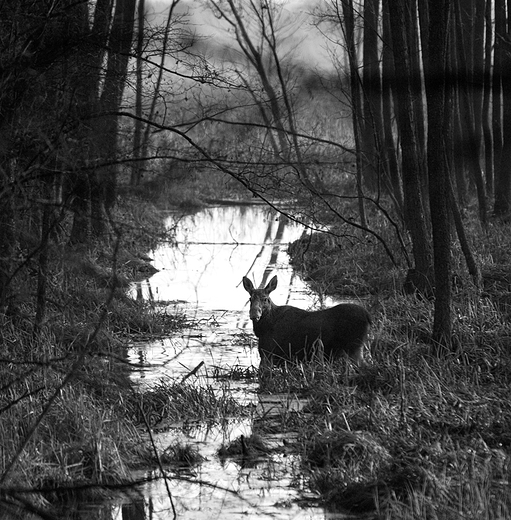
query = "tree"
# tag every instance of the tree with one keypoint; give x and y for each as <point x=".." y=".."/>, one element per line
<point x="373" y="152"/>
<point x="365" y="150"/>
<point x="37" y="111"/>
<point x="259" y="44"/>
<point x="412" y="166"/>
<point x="470" y="124"/>
<point x="503" y="169"/>
<point x="107" y="125"/>
<point x="497" y="89"/>
<point x="439" y="128"/>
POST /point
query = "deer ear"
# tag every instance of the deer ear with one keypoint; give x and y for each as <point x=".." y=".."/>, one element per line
<point x="272" y="285"/>
<point x="249" y="286"/>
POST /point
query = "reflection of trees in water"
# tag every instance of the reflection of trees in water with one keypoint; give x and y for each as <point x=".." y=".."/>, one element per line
<point x="214" y="249"/>
<point x="135" y="510"/>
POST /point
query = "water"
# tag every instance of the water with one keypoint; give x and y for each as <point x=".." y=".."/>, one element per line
<point x="201" y="276"/>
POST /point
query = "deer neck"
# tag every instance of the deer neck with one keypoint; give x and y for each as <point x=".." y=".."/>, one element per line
<point x="265" y="323"/>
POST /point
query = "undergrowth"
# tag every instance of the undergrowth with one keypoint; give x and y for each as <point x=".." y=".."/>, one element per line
<point x="169" y="402"/>
<point x="63" y="420"/>
<point x="408" y="434"/>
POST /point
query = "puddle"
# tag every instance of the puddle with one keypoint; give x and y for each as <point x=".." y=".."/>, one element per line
<point x="202" y="275"/>
<point x="228" y="488"/>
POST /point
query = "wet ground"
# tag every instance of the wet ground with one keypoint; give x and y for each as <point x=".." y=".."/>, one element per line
<point x="200" y="275"/>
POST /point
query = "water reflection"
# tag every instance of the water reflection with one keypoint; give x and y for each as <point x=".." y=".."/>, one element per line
<point x="201" y="275"/>
<point x="215" y="248"/>
<point x="226" y="488"/>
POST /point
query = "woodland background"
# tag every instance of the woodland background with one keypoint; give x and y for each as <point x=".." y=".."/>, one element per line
<point x="382" y="125"/>
<point x="405" y="111"/>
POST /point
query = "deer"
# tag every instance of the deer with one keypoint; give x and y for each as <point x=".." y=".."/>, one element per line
<point x="288" y="333"/>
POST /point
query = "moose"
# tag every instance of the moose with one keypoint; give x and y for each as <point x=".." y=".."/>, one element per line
<point x="287" y="333"/>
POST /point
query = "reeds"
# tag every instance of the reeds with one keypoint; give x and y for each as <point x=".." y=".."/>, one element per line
<point x="411" y="435"/>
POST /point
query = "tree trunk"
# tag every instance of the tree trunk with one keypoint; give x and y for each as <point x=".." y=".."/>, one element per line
<point x="371" y="94"/>
<point x="470" y="260"/>
<point x="136" y="170"/>
<point x="81" y="180"/>
<point x="7" y="227"/>
<point x="472" y="142"/>
<point x="498" y="57"/>
<point x="388" y="84"/>
<point x="411" y="34"/>
<point x="411" y="154"/>
<point x="105" y="182"/>
<point x="439" y="184"/>
<point x="42" y="267"/>
<point x="503" y="178"/>
<point x="356" y="107"/>
<point x="486" y="109"/>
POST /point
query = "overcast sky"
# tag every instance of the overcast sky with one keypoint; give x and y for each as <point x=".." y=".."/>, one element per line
<point x="307" y="44"/>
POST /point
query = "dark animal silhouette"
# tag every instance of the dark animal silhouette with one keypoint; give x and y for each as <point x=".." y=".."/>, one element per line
<point x="287" y="333"/>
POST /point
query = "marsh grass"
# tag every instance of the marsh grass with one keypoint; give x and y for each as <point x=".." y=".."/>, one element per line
<point x="169" y="402"/>
<point x="235" y="373"/>
<point x="247" y="450"/>
<point x="188" y="188"/>
<point x="54" y="453"/>
<point x="408" y="434"/>
<point x="181" y="455"/>
<point x="63" y="421"/>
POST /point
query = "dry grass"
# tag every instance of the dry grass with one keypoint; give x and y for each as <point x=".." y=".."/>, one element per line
<point x="410" y="435"/>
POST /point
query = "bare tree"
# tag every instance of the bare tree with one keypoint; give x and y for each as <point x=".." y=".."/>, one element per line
<point x="120" y="43"/>
<point x="439" y="183"/>
<point x="412" y="167"/>
<point x="259" y="43"/>
<point x="365" y="151"/>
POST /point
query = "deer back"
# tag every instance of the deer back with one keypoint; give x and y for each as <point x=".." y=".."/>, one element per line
<point x="289" y="333"/>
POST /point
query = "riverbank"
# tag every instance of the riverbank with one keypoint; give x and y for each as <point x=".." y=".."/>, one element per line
<point x="63" y="421"/>
<point x="74" y="424"/>
<point x="405" y="436"/>
<point x="410" y="435"/>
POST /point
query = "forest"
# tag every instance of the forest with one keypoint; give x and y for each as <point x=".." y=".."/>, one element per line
<point x="383" y="125"/>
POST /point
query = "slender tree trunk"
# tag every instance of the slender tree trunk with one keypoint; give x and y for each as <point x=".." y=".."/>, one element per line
<point x="270" y="36"/>
<point x="498" y="57"/>
<point x="356" y="106"/>
<point x="105" y="182"/>
<point x="472" y="140"/>
<point x="486" y="109"/>
<point x="503" y="178"/>
<point x="458" y="151"/>
<point x="81" y="180"/>
<point x="371" y="95"/>
<point x="439" y="184"/>
<point x="470" y="260"/>
<point x="388" y="84"/>
<point x="7" y="227"/>
<point x="263" y="56"/>
<point x="136" y="171"/>
<point x="42" y="271"/>
<point x="477" y="68"/>
<point x="412" y="38"/>
<point x="157" y="87"/>
<point x="256" y="59"/>
<point x="411" y="154"/>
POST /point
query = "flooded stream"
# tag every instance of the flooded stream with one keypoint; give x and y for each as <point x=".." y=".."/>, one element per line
<point x="200" y="275"/>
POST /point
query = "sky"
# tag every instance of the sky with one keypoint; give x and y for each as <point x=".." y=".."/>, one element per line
<point x="305" y="42"/>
